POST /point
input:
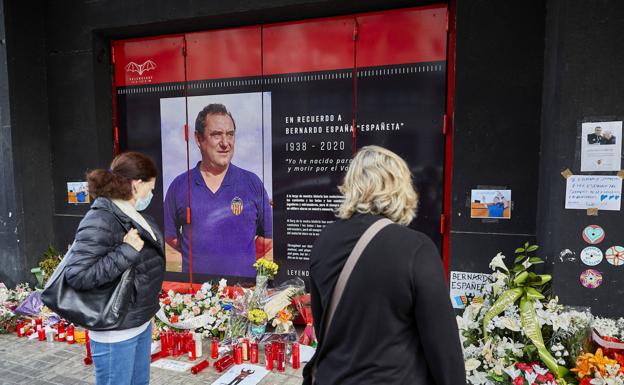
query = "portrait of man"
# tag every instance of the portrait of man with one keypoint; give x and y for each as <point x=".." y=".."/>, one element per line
<point x="607" y="138"/>
<point x="595" y="137"/>
<point x="231" y="219"/>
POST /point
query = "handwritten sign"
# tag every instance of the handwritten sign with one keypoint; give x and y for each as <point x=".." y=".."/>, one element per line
<point x="466" y="287"/>
<point x="602" y="192"/>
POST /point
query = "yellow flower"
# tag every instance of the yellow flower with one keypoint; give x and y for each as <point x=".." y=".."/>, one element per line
<point x="266" y="267"/>
<point x="257" y="316"/>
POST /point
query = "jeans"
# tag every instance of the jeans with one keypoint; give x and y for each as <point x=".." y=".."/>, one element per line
<point x="123" y="363"/>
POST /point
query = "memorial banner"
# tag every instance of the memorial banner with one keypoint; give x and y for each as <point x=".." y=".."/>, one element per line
<point x="282" y="109"/>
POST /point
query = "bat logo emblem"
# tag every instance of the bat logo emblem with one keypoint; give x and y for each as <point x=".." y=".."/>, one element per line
<point x="140" y="68"/>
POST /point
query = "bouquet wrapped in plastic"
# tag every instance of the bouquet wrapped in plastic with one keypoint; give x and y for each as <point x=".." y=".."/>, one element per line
<point x="304" y="307"/>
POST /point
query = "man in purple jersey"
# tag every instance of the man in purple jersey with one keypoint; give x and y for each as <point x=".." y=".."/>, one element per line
<point x="230" y="209"/>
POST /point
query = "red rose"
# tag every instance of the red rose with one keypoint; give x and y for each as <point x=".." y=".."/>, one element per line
<point x="518" y="381"/>
<point x="585" y="381"/>
<point x="541" y="378"/>
<point x="174" y="319"/>
<point x="550" y="377"/>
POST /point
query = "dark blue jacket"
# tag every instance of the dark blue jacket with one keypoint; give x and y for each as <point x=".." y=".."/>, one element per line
<point x="99" y="256"/>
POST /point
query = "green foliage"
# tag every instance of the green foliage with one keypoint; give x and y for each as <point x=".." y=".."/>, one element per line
<point x="49" y="263"/>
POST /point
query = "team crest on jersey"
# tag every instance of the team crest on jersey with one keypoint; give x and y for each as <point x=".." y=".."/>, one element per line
<point x="236" y="206"/>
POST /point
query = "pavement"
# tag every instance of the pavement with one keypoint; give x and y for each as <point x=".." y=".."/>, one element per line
<point x="33" y="362"/>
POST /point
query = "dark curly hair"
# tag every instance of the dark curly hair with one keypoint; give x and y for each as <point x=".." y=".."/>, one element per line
<point x="116" y="182"/>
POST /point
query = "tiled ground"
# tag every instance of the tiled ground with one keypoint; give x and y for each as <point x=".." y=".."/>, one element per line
<point x="42" y="363"/>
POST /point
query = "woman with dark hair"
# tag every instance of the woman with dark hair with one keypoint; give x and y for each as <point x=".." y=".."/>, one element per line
<point x="112" y="237"/>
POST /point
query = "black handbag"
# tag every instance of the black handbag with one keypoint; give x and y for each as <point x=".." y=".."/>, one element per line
<point x="100" y="308"/>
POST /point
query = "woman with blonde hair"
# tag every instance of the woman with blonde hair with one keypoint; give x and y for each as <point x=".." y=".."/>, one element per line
<point x="379" y="297"/>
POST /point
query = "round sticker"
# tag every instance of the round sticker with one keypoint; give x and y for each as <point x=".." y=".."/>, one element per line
<point x="591" y="278"/>
<point x="591" y="256"/>
<point x="615" y="255"/>
<point x="593" y="234"/>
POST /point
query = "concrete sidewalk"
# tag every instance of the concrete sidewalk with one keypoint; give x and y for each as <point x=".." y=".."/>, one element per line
<point x="32" y="362"/>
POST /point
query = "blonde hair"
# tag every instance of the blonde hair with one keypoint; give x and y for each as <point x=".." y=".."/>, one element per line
<point x="378" y="182"/>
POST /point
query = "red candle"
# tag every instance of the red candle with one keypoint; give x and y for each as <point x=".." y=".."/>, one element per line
<point x="238" y="354"/>
<point x="254" y="352"/>
<point x="186" y="340"/>
<point x="201" y="366"/>
<point x="41" y="334"/>
<point x="296" y="363"/>
<point x="224" y="363"/>
<point x="275" y="345"/>
<point x="163" y="342"/>
<point x="170" y="342"/>
<point x="61" y="331"/>
<point x="70" y="334"/>
<point x="39" y="324"/>
<point x="268" y="357"/>
<point x="192" y="352"/>
<point x="214" y="348"/>
<point x="281" y="361"/>
<point x="88" y="359"/>
<point x="20" y="328"/>
<point x="176" y="344"/>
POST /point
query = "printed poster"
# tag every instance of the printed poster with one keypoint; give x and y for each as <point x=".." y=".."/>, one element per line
<point x="601" y="146"/>
<point x="78" y="193"/>
<point x="299" y="118"/>
<point x="492" y="204"/>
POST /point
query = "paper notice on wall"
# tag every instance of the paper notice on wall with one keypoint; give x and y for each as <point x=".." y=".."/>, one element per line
<point x="602" y="192"/>
<point x="242" y="375"/>
<point x="466" y="287"/>
<point x="601" y="146"/>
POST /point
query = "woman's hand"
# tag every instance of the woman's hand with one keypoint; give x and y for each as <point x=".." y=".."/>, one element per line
<point x="134" y="239"/>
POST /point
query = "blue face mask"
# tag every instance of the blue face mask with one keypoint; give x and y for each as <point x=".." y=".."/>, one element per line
<point x="142" y="203"/>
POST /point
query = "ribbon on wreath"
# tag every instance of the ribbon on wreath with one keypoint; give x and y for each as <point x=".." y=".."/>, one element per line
<point x="528" y="317"/>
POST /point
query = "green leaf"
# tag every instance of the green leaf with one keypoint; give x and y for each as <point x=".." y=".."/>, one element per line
<point x="526" y="245"/>
<point x="536" y="260"/>
<point x="518" y="268"/>
<point x="520" y="250"/>
<point x="532" y="248"/>
<point x="521" y="278"/>
<point x="519" y="258"/>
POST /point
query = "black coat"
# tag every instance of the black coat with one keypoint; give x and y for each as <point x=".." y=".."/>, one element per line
<point x="99" y="256"/>
<point x="395" y="324"/>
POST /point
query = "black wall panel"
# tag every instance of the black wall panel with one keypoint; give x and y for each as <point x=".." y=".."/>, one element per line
<point x="498" y="81"/>
<point x="582" y="79"/>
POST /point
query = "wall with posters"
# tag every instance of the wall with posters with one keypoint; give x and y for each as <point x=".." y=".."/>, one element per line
<point x="499" y="57"/>
<point x="302" y="106"/>
<point x="583" y="46"/>
<point x="498" y="89"/>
